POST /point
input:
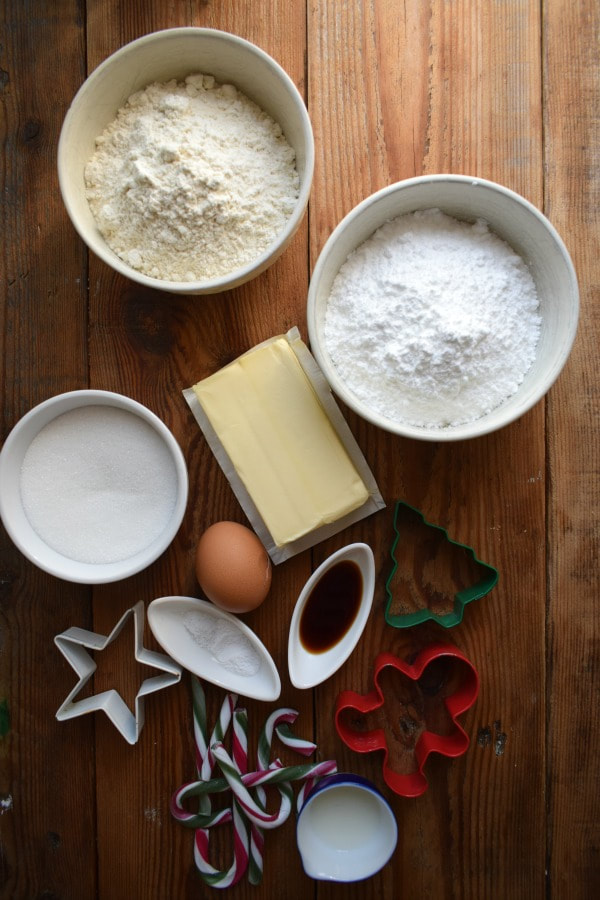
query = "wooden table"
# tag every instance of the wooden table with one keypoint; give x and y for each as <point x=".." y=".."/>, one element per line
<point x="507" y="91"/>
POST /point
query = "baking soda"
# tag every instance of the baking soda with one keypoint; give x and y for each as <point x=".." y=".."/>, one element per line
<point x="98" y="484"/>
<point x="224" y="642"/>
<point x="433" y="321"/>
<point x="191" y="181"/>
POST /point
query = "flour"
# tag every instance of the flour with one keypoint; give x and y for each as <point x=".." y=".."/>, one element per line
<point x="432" y="321"/>
<point x="224" y="642"/>
<point x="191" y="181"/>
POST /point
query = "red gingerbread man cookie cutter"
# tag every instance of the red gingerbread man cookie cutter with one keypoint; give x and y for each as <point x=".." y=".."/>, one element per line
<point x="442" y="682"/>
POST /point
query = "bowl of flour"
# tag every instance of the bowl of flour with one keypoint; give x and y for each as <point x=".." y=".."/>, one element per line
<point x="443" y="307"/>
<point x="185" y="160"/>
<point x="93" y="486"/>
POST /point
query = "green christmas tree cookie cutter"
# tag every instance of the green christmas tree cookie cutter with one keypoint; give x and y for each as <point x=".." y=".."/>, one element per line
<point x="486" y="575"/>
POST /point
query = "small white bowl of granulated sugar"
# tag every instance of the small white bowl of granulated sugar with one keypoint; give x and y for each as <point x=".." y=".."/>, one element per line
<point x="443" y="307"/>
<point x="186" y="159"/>
<point x="93" y="486"/>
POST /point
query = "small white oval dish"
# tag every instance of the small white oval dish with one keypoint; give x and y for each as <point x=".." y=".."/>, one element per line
<point x="214" y="645"/>
<point x="346" y="830"/>
<point x="308" y="668"/>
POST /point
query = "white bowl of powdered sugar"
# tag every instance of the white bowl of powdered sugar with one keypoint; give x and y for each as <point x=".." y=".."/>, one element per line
<point x="185" y="160"/>
<point x="93" y="486"/>
<point x="443" y="307"/>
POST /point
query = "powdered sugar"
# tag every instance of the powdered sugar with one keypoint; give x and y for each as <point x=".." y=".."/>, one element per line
<point x="191" y="181"/>
<point x="433" y="321"/>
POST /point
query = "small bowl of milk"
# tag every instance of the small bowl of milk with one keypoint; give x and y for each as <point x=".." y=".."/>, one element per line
<point x="346" y="830"/>
<point x="93" y="486"/>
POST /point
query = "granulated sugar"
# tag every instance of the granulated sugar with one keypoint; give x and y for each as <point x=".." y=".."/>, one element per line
<point x="433" y="321"/>
<point x="191" y="181"/>
<point x="98" y="484"/>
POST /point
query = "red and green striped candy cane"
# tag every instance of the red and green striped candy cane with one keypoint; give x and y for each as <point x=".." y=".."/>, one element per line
<point x="248" y="815"/>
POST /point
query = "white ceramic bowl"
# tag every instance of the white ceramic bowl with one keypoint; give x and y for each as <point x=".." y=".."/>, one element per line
<point x="15" y="518"/>
<point x="346" y="830"/>
<point x="308" y="668"/>
<point x="214" y="645"/>
<point x="161" y="56"/>
<point x="514" y="220"/>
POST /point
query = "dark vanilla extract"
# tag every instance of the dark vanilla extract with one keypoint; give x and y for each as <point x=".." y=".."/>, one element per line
<point x="332" y="607"/>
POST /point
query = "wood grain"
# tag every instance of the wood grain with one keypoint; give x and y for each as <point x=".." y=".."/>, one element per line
<point x="473" y="488"/>
<point x="572" y="192"/>
<point x="507" y="91"/>
<point x="45" y="841"/>
<point x="152" y="346"/>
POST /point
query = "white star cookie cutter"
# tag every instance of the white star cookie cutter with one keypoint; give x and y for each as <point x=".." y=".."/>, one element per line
<point x="74" y="644"/>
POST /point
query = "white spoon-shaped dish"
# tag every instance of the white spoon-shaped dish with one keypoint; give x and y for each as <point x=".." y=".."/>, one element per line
<point x="308" y="668"/>
<point x="214" y="645"/>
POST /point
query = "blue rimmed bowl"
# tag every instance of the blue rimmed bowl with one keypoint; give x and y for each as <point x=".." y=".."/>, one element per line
<point x="346" y="830"/>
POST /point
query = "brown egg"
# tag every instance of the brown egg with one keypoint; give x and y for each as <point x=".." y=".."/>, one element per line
<point x="232" y="567"/>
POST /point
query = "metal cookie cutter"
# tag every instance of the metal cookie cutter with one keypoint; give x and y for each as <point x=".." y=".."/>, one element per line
<point x="414" y="714"/>
<point x="437" y="560"/>
<point x="73" y="643"/>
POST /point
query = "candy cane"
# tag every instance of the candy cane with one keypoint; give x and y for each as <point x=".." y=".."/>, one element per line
<point x="212" y="876"/>
<point x="222" y="724"/>
<point x="248" y="815"/>
<point x="276" y="775"/>
<point x="204" y="764"/>
<point x="276" y="721"/>
<point x="241" y="783"/>
<point x="286" y="736"/>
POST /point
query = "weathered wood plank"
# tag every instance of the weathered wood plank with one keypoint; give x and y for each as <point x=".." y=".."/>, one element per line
<point x="151" y="346"/>
<point x="434" y="88"/>
<point x="47" y="823"/>
<point x="572" y="195"/>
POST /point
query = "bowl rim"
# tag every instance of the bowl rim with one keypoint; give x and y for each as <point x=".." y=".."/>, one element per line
<point x="75" y="571"/>
<point x="243" y="273"/>
<point x="467" y="430"/>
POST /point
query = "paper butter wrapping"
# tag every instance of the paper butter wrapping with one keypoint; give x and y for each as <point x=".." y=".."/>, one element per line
<point x="281" y="440"/>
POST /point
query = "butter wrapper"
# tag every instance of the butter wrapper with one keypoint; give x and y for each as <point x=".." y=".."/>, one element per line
<point x="280" y="438"/>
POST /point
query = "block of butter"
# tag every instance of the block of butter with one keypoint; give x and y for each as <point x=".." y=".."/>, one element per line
<point x="296" y="463"/>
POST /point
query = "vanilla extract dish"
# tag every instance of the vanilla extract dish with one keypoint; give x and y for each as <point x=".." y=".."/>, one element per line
<point x="330" y="615"/>
<point x="332" y="607"/>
